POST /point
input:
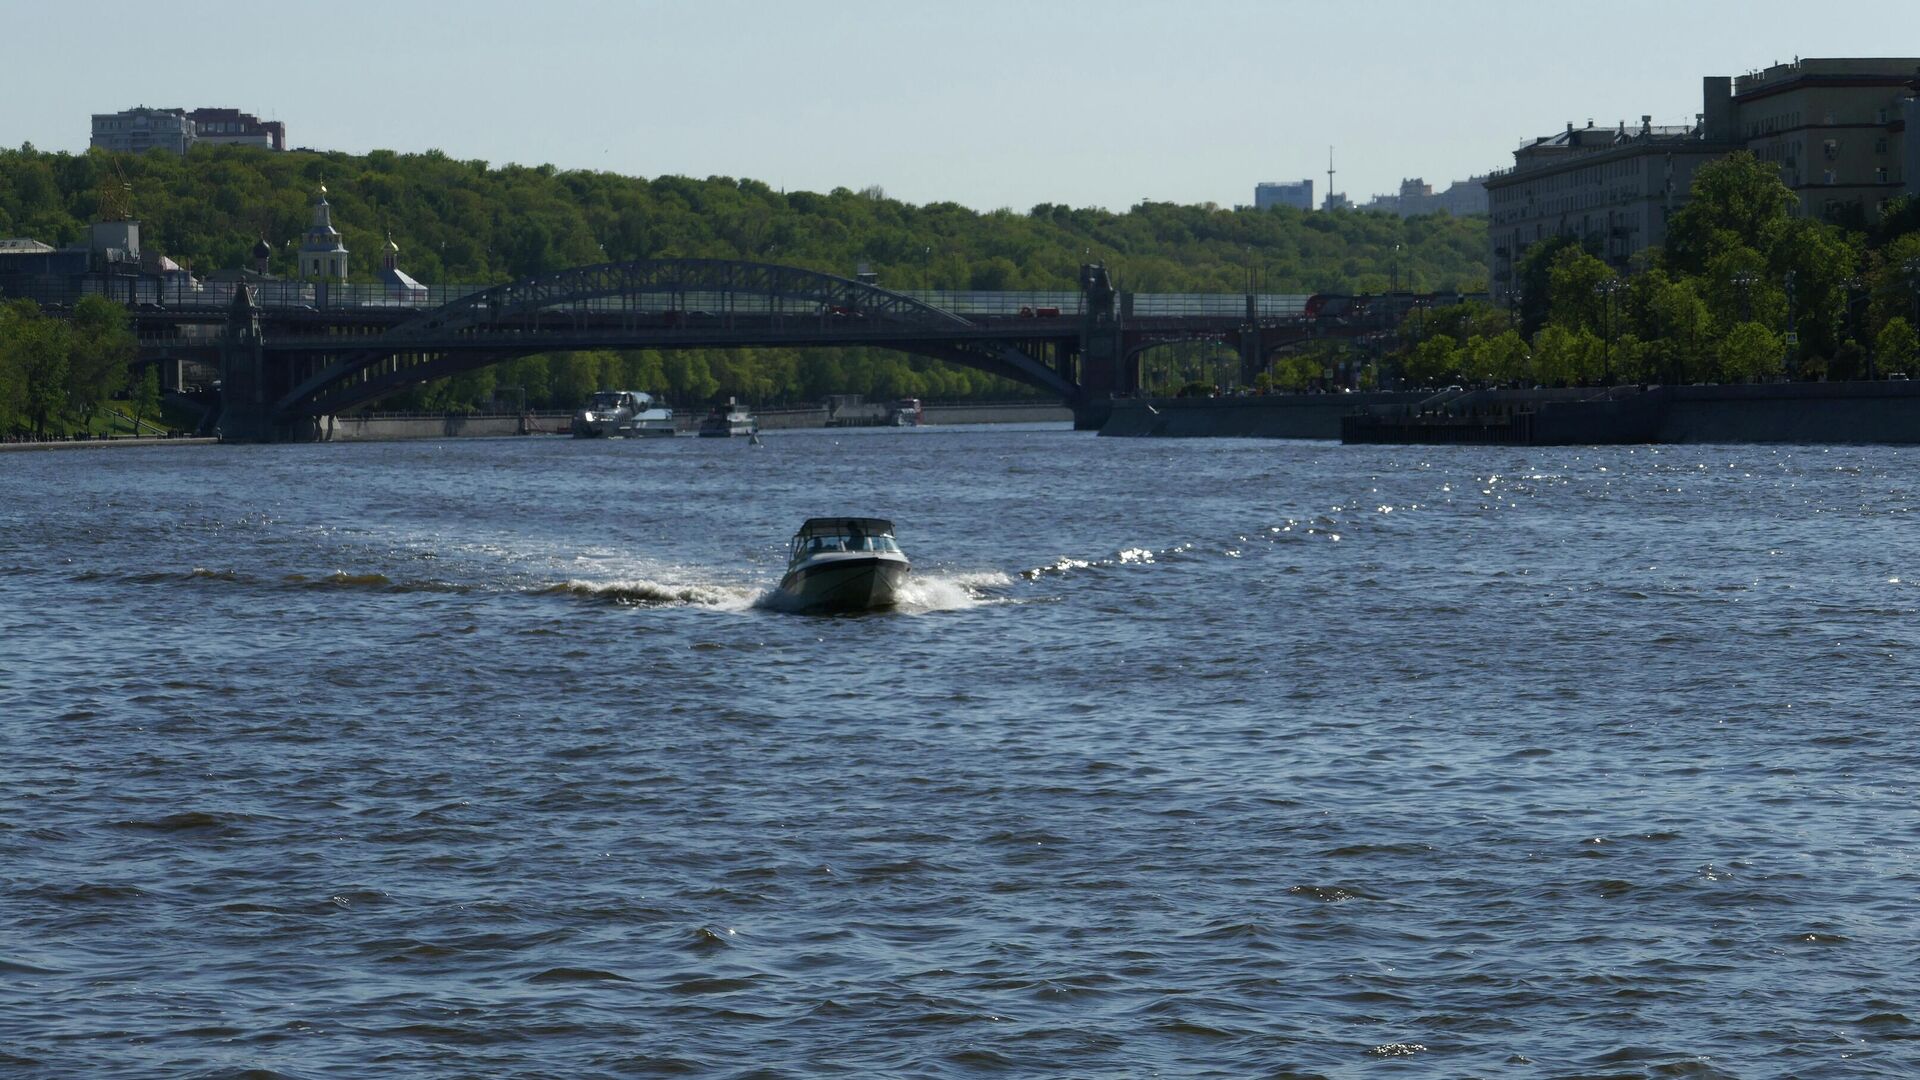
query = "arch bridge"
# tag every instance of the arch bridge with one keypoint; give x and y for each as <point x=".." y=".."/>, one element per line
<point x="291" y="354"/>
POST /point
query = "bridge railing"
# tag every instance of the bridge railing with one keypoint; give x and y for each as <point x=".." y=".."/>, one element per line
<point x="992" y="302"/>
<point x="1220" y="305"/>
<point x="189" y="295"/>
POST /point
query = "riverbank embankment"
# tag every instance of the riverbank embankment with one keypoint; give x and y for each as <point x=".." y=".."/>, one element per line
<point x="1788" y="412"/>
<point x="100" y="444"/>
<point x="377" y="427"/>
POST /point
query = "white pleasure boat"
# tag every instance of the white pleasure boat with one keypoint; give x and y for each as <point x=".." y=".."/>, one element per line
<point x="621" y="413"/>
<point x="845" y="564"/>
<point x="728" y="419"/>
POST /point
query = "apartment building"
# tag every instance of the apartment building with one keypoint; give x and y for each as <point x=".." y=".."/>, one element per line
<point x="1276" y="193"/>
<point x="141" y="129"/>
<point x="1836" y="128"/>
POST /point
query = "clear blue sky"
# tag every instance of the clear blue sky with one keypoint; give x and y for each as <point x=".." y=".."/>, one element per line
<point x="987" y="103"/>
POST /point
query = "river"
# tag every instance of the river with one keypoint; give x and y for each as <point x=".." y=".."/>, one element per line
<point x="1209" y="758"/>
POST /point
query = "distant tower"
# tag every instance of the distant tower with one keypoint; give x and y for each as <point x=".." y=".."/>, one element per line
<point x="1329" y="175"/>
<point x="322" y="256"/>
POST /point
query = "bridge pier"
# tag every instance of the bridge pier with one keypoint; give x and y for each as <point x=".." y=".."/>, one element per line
<point x="248" y="387"/>
<point x="1102" y="352"/>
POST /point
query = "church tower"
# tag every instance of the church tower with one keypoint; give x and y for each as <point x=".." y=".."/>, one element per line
<point x="322" y="256"/>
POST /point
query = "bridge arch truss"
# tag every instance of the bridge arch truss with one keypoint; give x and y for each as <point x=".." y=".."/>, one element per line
<point x="653" y="304"/>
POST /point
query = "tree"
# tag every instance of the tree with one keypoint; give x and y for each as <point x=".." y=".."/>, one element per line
<point x="1676" y="327"/>
<point x="1736" y="202"/>
<point x="1534" y="280"/>
<point x="1577" y="284"/>
<point x="1816" y="260"/>
<point x="146" y="397"/>
<point x="1563" y="357"/>
<point x="1738" y="288"/>
<point x="1896" y="347"/>
<point x="1750" y="352"/>
<point x="471" y="222"/>
<point x="1501" y="359"/>
<point x="1433" y="360"/>
<point x="35" y="350"/>
<point x="1296" y="372"/>
<point x="100" y="345"/>
<point x="13" y="376"/>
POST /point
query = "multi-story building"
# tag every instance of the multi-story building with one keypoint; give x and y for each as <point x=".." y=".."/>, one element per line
<point x="1461" y="198"/>
<point x="231" y="127"/>
<point x="1613" y="188"/>
<point x="1298" y="194"/>
<point x="141" y="129"/>
<point x="1836" y="128"/>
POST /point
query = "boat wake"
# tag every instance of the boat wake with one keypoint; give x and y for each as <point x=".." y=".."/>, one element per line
<point x="922" y="594"/>
<point x="951" y="592"/>
<point x="642" y="593"/>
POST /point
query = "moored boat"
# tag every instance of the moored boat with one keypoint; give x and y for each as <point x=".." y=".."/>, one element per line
<point x="844" y="564"/>
<point x="617" y="413"/>
<point x="729" y="418"/>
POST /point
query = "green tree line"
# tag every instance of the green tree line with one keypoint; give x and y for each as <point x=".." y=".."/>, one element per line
<point x="470" y="222"/>
<point x="1743" y="290"/>
<point x="56" y="375"/>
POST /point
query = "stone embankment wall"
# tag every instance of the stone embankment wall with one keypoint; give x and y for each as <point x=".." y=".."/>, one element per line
<point x="1274" y="416"/>
<point x="359" y="428"/>
<point x="1012" y="413"/>
<point x="1839" y="412"/>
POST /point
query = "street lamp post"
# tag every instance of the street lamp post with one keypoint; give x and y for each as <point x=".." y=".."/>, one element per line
<point x="1746" y="281"/>
<point x="1912" y="268"/>
<point x="1605" y="291"/>
<point x="1793" y="338"/>
<point x="1855" y="296"/>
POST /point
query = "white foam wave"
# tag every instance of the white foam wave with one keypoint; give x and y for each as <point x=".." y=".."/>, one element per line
<point x="949" y="592"/>
<point x="642" y="592"/>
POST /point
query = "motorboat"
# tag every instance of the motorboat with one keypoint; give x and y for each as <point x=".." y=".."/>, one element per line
<point x="729" y="418"/>
<point x="907" y="412"/>
<point x="622" y="413"/>
<point x="844" y="564"/>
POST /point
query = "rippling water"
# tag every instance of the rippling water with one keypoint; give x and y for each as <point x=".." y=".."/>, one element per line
<point x="1205" y="758"/>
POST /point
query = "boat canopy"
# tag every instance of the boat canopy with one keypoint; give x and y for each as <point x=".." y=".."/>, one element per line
<point x="614" y="399"/>
<point x="845" y="526"/>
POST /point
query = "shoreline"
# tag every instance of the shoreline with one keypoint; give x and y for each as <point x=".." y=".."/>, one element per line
<point x="1885" y="412"/>
<point x="93" y="444"/>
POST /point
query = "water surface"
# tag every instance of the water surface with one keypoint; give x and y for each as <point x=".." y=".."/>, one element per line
<point x="1210" y="758"/>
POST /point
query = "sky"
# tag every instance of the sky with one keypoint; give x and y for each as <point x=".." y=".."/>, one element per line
<point x="988" y="103"/>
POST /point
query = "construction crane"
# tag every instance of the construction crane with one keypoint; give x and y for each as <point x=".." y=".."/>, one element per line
<point x="115" y="196"/>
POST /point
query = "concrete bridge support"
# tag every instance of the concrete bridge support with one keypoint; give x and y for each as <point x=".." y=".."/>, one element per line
<point x="1104" y="371"/>
<point x="248" y="386"/>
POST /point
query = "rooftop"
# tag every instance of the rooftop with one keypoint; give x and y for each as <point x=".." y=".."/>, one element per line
<point x="1885" y="67"/>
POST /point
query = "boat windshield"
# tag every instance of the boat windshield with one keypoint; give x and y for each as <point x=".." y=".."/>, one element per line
<point x="814" y="545"/>
<point x="605" y="401"/>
